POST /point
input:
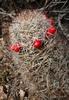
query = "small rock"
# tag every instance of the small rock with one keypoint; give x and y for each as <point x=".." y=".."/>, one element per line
<point x="22" y="93"/>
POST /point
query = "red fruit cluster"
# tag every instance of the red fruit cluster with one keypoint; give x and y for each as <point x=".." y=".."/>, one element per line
<point x="37" y="43"/>
<point x="15" y="47"/>
<point x="51" y="31"/>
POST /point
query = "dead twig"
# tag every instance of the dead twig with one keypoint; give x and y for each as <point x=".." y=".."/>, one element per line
<point x="3" y="12"/>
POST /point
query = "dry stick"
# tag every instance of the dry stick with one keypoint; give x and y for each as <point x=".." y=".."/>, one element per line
<point x="46" y="1"/>
<point x="2" y="10"/>
<point x="64" y="4"/>
<point x="45" y="7"/>
<point x="7" y="14"/>
<point x="58" y="2"/>
<point x="59" y="11"/>
<point x="53" y="4"/>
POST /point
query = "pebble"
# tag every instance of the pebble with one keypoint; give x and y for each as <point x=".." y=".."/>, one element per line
<point x="22" y="93"/>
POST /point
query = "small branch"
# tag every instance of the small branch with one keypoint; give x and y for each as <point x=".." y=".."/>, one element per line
<point x="59" y="11"/>
<point x="7" y="14"/>
<point x="3" y="12"/>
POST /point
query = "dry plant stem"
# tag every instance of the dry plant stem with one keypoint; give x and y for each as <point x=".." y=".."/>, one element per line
<point x="59" y="11"/>
<point x="3" y="12"/>
<point x="6" y="14"/>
